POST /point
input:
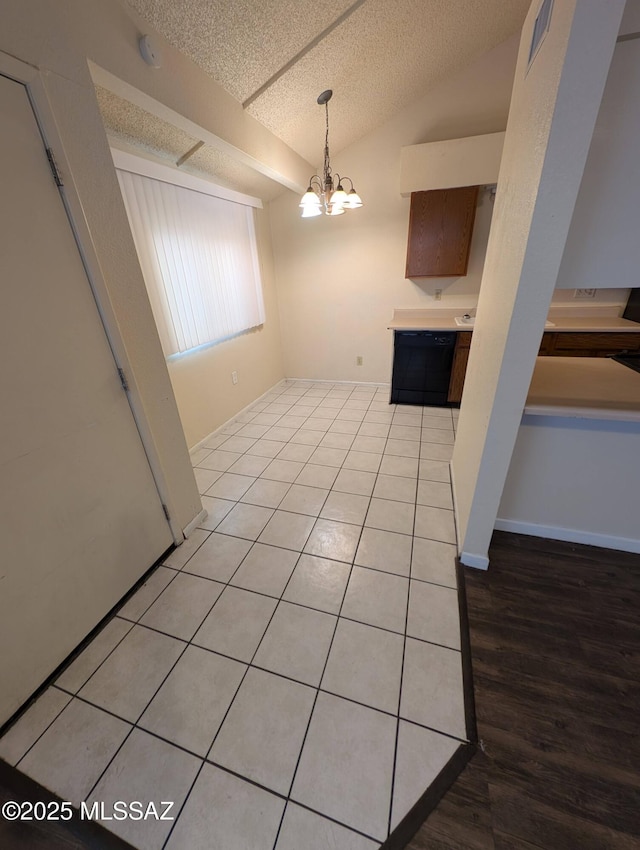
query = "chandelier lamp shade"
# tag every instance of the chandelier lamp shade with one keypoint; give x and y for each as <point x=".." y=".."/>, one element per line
<point x="327" y="195"/>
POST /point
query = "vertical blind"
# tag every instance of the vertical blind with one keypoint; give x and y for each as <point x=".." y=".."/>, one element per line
<point x="199" y="259"/>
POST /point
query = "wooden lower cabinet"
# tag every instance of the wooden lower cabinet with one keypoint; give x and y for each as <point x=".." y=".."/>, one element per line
<point x="459" y="368"/>
<point x="561" y="344"/>
<point x="554" y="344"/>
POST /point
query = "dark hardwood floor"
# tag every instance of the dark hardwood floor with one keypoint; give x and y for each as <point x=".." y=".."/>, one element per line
<point x="34" y="834"/>
<point x="555" y="641"/>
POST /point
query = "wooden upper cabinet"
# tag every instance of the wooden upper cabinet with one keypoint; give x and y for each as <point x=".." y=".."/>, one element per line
<point x="440" y="228"/>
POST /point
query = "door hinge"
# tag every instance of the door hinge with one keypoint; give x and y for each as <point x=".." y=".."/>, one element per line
<point x="123" y="380"/>
<point x="166" y="512"/>
<point x="54" y="168"/>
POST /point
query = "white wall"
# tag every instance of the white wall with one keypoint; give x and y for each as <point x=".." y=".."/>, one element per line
<point x="603" y="248"/>
<point x="467" y="161"/>
<point x="340" y="279"/>
<point x="551" y="119"/>
<point x="574" y="479"/>
<point x="50" y="37"/>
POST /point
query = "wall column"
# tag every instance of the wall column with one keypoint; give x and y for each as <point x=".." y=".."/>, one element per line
<point x="553" y="111"/>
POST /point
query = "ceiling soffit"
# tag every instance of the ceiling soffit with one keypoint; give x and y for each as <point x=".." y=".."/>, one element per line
<point x="140" y="129"/>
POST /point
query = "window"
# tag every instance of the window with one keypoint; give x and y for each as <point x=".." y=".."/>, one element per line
<point x="198" y="256"/>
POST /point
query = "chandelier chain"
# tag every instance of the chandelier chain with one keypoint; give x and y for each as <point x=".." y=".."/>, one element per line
<point x="327" y="164"/>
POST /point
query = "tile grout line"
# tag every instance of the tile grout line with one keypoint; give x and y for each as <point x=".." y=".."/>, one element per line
<point x="404" y="650"/>
<point x="313" y="707"/>
<point x="136" y="722"/>
<point x="297" y="605"/>
<point x="249" y="666"/>
<point x="184" y="568"/>
<point x="74" y="694"/>
<point x="355" y="555"/>
<point x="326" y="661"/>
<point x="226" y="714"/>
<point x="131" y="730"/>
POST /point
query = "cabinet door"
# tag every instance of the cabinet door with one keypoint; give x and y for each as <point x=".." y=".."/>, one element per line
<point x="547" y="344"/>
<point x="440" y="228"/>
<point x="588" y="344"/>
<point x="459" y="368"/>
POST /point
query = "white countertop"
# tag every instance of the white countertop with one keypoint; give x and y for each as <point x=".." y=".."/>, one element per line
<point x="584" y="387"/>
<point x="444" y="320"/>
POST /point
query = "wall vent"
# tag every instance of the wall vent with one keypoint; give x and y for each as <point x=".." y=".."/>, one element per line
<point x="540" y="29"/>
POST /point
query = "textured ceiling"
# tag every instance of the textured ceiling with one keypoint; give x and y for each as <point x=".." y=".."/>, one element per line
<point x="240" y="43"/>
<point x="134" y="126"/>
<point x="381" y="55"/>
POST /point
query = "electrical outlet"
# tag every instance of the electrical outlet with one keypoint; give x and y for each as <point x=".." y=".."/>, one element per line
<point x="234" y="377"/>
<point x="585" y="293"/>
<point x="438" y="295"/>
<point x="359" y="360"/>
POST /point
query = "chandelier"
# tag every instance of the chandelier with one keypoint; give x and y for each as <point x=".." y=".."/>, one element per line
<point x="326" y="194"/>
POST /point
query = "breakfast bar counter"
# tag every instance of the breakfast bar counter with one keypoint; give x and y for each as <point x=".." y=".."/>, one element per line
<point x="445" y="320"/>
<point x="576" y="462"/>
<point x="586" y="387"/>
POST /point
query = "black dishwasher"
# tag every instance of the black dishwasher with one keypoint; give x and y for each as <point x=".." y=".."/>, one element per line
<point x="422" y="362"/>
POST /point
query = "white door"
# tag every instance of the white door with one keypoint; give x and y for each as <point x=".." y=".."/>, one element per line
<point x="80" y="516"/>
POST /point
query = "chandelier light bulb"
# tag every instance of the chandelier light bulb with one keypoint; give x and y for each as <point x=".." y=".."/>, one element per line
<point x="339" y="196"/>
<point x="354" y="201"/>
<point x="310" y="199"/>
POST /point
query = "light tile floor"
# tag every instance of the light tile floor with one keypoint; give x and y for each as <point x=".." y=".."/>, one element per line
<point x="291" y="676"/>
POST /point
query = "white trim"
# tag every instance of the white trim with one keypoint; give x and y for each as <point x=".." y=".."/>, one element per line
<point x="16" y="69"/>
<point x="479" y="562"/>
<point x="570" y="535"/>
<point x="195" y="522"/>
<point x="109" y="81"/>
<point x="588" y="414"/>
<point x="126" y="161"/>
<point x="217" y="430"/>
<point x="36" y="84"/>
<point x="282" y="381"/>
<point x="383" y="385"/>
<point x="454" y="499"/>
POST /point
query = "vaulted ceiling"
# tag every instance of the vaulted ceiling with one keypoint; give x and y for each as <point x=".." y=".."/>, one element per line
<point x="276" y="56"/>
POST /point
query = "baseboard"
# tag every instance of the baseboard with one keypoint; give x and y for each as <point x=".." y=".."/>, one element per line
<point x="569" y="535"/>
<point x="282" y="381"/>
<point x="202" y="442"/>
<point x="455" y="504"/>
<point x="383" y="385"/>
<point x="195" y="522"/>
<point x="479" y="562"/>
